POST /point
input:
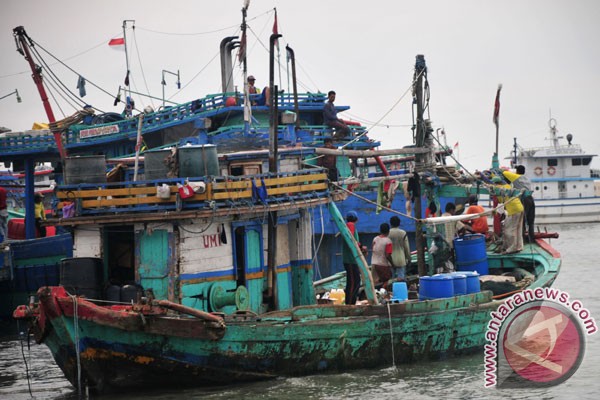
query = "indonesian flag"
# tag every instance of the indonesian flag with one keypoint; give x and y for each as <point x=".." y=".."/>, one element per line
<point x="497" y="105"/>
<point x="456" y="144"/>
<point x="117" y="43"/>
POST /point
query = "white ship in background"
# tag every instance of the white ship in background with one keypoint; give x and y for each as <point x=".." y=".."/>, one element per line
<point x="565" y="188"/>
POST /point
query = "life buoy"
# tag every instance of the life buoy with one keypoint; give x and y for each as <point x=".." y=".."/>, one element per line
<point x="538" y="171"/>
<point x="551" y="171"/>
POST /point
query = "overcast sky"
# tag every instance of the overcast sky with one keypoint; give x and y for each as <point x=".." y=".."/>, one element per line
<point x="545" y="53"/>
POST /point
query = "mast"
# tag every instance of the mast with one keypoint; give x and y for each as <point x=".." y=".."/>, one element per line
<point x="243" y="48"/>
<point x="127" y="87"/>
<point x="420" y="138"/>
<point x="273" y="155"/>
<point x="23" y="48"/>
<point x="495" y="161"/>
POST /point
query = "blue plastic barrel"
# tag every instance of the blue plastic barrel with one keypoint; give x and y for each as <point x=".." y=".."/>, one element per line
<point x="472" y="279"/>
<point x="436" y="286"/>
<point x="460" y="283"/>
<point x="470" y="253"/>
<point x="399" y="291"/>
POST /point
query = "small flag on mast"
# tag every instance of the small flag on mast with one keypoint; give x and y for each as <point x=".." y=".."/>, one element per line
<point x="456" y="144"/>
<point x="497" y="106"/>
<point x="117" y="42"/>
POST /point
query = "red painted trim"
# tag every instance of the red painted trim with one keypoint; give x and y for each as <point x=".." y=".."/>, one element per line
<point x="547" y="247"/>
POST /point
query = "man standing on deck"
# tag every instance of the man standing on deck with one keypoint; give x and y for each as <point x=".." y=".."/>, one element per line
<point x="381" y="259"/>
<point x="400" y="249"/>
<point x="350" y="264"/>
<point x="512" y="232"/>
<point x="330" y="118"/>
<point x="521" y="182"/>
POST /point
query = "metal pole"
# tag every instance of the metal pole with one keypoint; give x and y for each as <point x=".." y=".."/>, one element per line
<point x="20" y="35"/>
<point x="292" y="55"/>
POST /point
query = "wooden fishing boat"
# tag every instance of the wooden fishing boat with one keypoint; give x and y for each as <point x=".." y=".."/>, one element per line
<point x="175" y="290"/>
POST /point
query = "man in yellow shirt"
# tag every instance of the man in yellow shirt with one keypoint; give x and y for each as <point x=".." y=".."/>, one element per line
<point x="512" y="231"/>
<point x="40" y="214"/>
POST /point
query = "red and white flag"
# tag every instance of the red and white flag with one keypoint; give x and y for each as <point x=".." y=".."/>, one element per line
<point x="456" y="144"/>
<point x="117" y="43"/>
<point x="497" y="105"/>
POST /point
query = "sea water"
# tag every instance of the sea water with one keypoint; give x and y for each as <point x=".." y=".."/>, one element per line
<point x="454" y="378"/>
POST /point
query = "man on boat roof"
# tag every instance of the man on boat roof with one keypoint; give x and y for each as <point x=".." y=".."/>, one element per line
<point x="330" y="118"/>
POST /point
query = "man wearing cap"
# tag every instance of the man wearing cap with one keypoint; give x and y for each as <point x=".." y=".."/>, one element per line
<point x="521" y="182"/>
<point x="252" y="90"/>
<point x="512" y="231"/>
<point x="350" y="263"/>
<point x="330" y="118"/>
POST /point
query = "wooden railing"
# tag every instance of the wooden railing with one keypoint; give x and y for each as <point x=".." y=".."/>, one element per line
<point x="110" y="198"/>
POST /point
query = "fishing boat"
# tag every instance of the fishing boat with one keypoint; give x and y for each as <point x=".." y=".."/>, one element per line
<point x="233" y="120"/>
<point x="209" y="280"/>
<point x="564" y="186"/>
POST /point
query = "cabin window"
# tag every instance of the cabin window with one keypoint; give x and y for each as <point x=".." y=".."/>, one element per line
<point x="552" y="162"/>
<point x="119" y="246"/>
<point x="574" y="186"/>
<point x="241" y="169"/>
<point x="537" y="188"/>
<point x="586" y="160"/>
<point x="576" y="161"/>
<point x="545" y="187"/>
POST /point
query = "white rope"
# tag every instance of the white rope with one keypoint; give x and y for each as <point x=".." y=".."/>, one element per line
<point x="391" y="334"/>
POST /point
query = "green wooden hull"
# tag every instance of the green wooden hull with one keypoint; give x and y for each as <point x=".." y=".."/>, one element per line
<point x="304" y="340"/>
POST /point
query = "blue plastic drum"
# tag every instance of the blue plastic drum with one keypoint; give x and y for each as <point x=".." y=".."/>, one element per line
<point x="436" y="286"/>
<point x="470" y="253"/>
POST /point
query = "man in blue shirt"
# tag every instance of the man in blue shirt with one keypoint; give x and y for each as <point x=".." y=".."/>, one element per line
<point x="330" y="118"/>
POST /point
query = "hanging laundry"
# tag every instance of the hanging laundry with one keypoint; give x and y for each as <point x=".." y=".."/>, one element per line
<point x="81" y="86"/>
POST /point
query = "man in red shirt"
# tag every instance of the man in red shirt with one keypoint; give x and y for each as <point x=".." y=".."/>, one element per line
<point x="478" y="225"/>
<point x="381" y="259"/>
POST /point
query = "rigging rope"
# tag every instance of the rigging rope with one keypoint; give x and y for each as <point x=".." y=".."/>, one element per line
<point x="137" y="50"/>
<point x="385" y="115"/>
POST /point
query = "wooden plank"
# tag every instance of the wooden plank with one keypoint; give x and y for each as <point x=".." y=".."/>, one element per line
<point x="133" y="191"/>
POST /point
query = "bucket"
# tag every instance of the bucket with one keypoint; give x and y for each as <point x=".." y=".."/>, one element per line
<point x="470" y="253"/>
<point x="436" y="286"/>
<point x="460" y="283"/>
<point x="197" y="161"/>
<point x="399" y="291"/>
<point x="85" y="169"/>
<point x="155" y="166"/>
<point x="472" y="281"/>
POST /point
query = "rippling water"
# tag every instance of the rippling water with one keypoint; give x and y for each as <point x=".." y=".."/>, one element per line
<point x="458" y="378"/>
